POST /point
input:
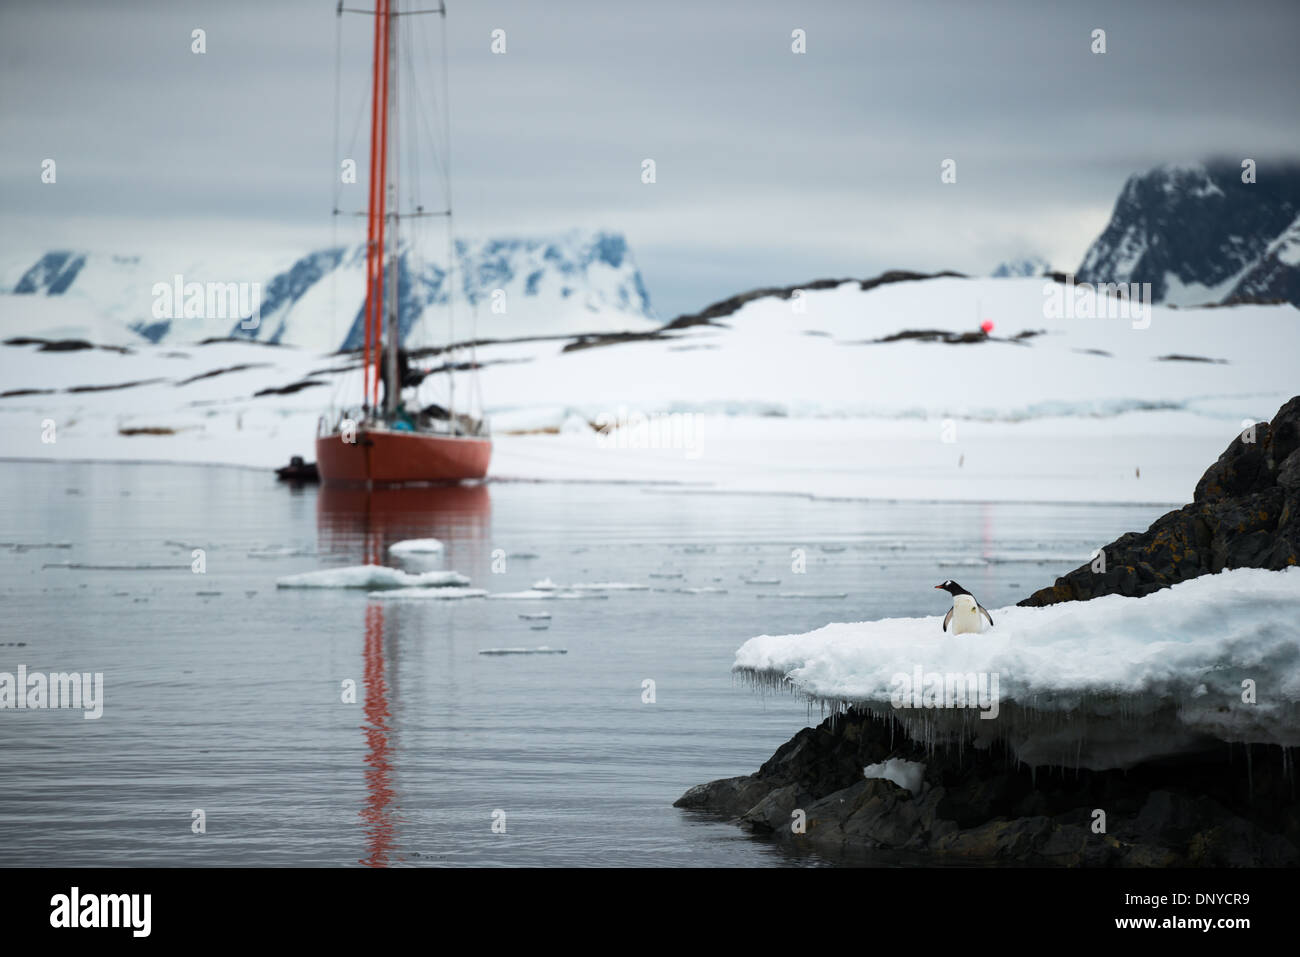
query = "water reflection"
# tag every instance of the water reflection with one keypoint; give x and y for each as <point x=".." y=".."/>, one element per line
<point x="360" y="524"/>
<point x="357" y="526"/>
<point x="380" y="807"/>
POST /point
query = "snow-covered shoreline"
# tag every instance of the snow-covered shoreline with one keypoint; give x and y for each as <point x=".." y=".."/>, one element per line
<point x="767" y="399"/>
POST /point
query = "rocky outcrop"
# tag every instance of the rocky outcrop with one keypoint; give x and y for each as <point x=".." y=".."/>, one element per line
<point x="1215" y="805"/>
<point x="727" y="307"/>
<point x="1245" y="513"/>
<point x="1212" y="810"/>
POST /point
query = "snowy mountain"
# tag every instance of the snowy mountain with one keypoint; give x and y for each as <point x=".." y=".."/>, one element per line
<point x="577" y="282"/>
<point x="1277" y="273"/>
<point x="1021" y="268"/>
<point x="1200" y="235"/>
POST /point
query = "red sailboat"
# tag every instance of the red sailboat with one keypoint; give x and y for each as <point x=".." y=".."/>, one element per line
<point x="382" y="442"/>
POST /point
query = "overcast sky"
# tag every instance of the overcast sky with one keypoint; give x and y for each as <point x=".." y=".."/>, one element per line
<point x="772" y="167"/>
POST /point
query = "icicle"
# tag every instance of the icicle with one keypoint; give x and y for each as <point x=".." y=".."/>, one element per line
<point x="1250" y="777"/>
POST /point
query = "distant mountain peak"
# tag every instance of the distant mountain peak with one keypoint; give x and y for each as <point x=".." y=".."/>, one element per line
<point x="1200" y="235"/>
<point x="1026" y="266"/>
<point x="578" y="281"/>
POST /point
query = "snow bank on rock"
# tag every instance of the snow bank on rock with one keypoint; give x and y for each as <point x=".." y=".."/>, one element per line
<point x="370" y="577"/>
<point x="904" y="773"/>
<point x="1102" y="683"/>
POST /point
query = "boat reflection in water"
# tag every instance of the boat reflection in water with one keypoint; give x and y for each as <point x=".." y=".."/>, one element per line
<point x="380" y="806"/>
<point x="358" y="526"/>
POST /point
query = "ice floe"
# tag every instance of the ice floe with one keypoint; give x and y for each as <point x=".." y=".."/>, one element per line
<point x="372" y="577"/>
<point x="547" y="585"/>
<point x="448" y="593"/>
<point x="279" y="552"/>
<point x="545" y="594"/>
<point x="804" y="594"/>
<point x="417" y="546"/>
<point x="542" y="650"/>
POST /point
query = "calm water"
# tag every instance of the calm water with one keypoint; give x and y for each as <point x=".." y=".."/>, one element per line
<point x="223" y="693"/>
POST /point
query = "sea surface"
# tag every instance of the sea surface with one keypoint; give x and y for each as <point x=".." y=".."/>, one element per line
<point x="228" y="696"/>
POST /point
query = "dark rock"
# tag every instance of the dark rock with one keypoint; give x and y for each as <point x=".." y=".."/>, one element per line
<point x="1196" y="809"/>
<point x="982" y="805"/>
<point x="729" y="796"/>
<point x="727" y="307"/>
<point x="1245" y="513"/>
<point x="774" y="811"/>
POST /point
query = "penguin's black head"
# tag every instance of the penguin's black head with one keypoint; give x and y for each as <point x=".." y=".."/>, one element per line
<point x="952" y="588"/>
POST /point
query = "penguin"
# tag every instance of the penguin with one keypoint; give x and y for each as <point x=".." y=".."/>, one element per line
<point x="965" y="613"/>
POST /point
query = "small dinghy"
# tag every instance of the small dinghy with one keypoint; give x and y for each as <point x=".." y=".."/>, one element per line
<point x="298" y="471"/>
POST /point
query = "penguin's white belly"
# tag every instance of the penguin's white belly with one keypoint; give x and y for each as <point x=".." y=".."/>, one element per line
<point x="966" y="618"/>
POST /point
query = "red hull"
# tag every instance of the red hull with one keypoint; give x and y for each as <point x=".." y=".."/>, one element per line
<point x="394" y="458"/>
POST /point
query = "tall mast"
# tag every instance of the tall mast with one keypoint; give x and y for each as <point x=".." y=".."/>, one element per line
<point x="372" y="206"/>
<point x="394" y="389"/>
<point x="451" y="242"/>
<point x="381" y="196"/>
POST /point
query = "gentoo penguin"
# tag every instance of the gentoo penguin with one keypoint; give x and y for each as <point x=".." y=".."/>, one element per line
<point x="966" y="613"/>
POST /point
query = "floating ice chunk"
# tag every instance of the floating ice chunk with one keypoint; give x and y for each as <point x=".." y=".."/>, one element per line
<point x="701" y="590"/>
<point x="417" y="546"/>
<point x="547" y="585"/>
<point x="371" y="577"/>
<point x="906" y="774"/>
<point x="546" y="594"/>
<point x="761" y="581"/>
<point x="449" y="593"/>
<point x="278" y="551"/>
<point x="87" y="566"/>
<point x="541" y="650"/>
<point x="535" y="615"/>
<point x="804" y="594"/>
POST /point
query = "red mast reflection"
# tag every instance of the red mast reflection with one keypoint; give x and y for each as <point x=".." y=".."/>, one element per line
<point x="358" y="525"/>
<point x="378" y="812"/>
